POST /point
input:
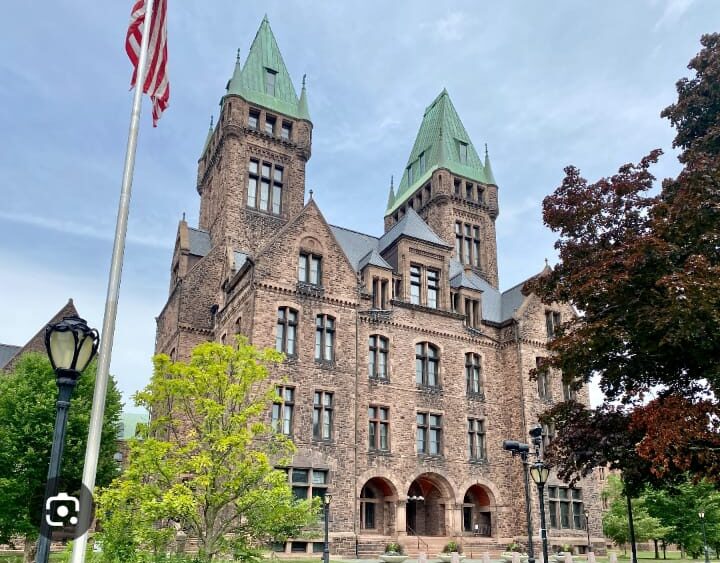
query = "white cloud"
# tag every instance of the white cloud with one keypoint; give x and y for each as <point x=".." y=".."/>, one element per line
<point x="674" y="10"/>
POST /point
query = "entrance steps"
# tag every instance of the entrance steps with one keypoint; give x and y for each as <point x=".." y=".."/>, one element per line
<point x="473" y="547"/>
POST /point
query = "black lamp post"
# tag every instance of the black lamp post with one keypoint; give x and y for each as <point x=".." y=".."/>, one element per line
<point x="587" y="527"/>
<point x="539" y="473"/>
<point x="71" y="345"/>
<point x="705" y="547"/>
<point x="523" y="450"/>
<point x="327" y="499"/>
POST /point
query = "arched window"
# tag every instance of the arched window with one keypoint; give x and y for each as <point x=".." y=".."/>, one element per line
<point x="286" y="334"/>
<point x="378" y="357"/>
<point x="473" y="374"/>
<point x="324" y="338"/>
<point x="368" y="502"/>
<point x="427" y="364"/>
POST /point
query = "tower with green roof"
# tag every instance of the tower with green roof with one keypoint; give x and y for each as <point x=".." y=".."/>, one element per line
<point x="451" y="188"/>
<point x="251" y="173"/>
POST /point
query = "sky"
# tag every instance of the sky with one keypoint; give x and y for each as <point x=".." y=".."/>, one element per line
<point x="544" y="84"/>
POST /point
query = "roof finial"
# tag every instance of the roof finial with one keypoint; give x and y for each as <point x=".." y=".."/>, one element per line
<point x="304" y="77"/>
<point x="546" y="262"/>
<point x="486" y="151"/>
<point x="237" y="57"/>
<point x="212" y="117"/>
<point x="311" y="194"/>
<point x="392" y="181"/>
<point x="183" y="216"/>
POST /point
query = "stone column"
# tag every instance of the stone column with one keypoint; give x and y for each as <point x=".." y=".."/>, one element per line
<point x="400" y="518"/>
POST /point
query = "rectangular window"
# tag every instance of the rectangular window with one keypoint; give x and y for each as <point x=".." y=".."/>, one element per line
<point x="253" y="119"/>
<point x="458" y="240"/>
<point x="377" y="357"/>
<point x="422" y="162"/>
<point x="378" y="428"/>
<point x="322" y="415"/>
<point x="252" y="183"/>
<point x="569" y="393"/>
<point x="463" y="152"/>
<point x="285" y="131"/>
<point x="310" y="268"/>
<point x="308" y="483"/>
<point x="476" y="439"/>
<point x="432" y="288"/>
<point x="543" y="380"/>
<point x="427" y="365"/>
<point x="552" y="323"/>
<point x="422" y="430"/>
<point x="472" y="312"/>
<point x="270" y="124"/>
<point x="476" y="247"/>
<point x="324" y="338"/>
<point x="270" y="76"/>
<point x="269" y="178"/>
<point x="415" y="285"/>
<point x="469" y="191"/>
<point x="282" y="410"/>
<point x="553" y="506"/>
<point x="473" y="374"/>
<point x="435" y="434"/>
<point x="410" y="174"/>
<point x="429" y="433"/>
<point x="286" y="330"/>
<point x="566" y="508"/>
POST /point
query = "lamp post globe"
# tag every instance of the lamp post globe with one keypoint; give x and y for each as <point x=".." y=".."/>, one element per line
<point x="701" y="515"/>
<point x="327" y="499"/>
<point x="71" y="345"/>
<point x="540" y="473"/>
<point x="587" y="527"/>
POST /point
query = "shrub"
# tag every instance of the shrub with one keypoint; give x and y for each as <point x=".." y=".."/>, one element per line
<point x="394" y="548"/>
<point x="452" y="546"/>
<point x="514" y="546"/>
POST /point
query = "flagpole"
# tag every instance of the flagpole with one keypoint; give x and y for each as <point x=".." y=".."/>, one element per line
<point x="92" y="451"/>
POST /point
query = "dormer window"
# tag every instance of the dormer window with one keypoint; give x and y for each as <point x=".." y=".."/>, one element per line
<point x="270" y="76"/>
<point x="270" y="124"/>
<point x="422" y="162"/>
<point x="463" y="152"/>
<point x="410" y="174"/>
<point x="253" y="118"/>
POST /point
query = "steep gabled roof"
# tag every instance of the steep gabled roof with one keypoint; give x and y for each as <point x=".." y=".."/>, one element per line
<point x="200" y="243"/>
<point x="250" y="81"/>
<point x="438" y="145"/>
<point x="373" y="258"/>
<point x="356" y="246"/>
<point x="412" y="226"/>
<point x="7" y="353"/>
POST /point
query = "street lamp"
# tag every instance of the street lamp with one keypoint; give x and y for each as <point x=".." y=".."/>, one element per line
<point x="587" y="527"/>
<point x="523" y="450"/>
<point x="71" y="344"/>
<point x="539" y="473"/>
<point x="705" y="547"/>
<point x="327" y="499"/>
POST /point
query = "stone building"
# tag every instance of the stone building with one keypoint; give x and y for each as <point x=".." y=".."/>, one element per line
<point x="405" y="367"/>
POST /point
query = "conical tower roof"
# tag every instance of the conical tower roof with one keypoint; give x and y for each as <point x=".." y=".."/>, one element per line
<point x="488" y="169"/>
<point x="441" y="142"/>
<point x="264" y="80"/>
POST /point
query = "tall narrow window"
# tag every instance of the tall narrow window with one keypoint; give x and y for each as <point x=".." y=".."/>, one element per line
<point x="432" y="288"/>
<point x="378" y="428"/>
<point x="569" y="393"/>
<point x="310" y="268"/>
<point x="282" y="410"/>
<point x="458" y="240"/>
<point x="415" y="285"/>
<point x="476" y="247"/>
<point x="435" y="435"/>
<point x="410" y="174"/>
<point x="285" y="335"/>
<point x="253" y="168"/>
<point x="377" y="357"/>
<point x="422" y="162"/>
<point x="427" y="364"/>
<point x="476" y="439"/>
<point x="253" y="118"/>
<point x="277" y="190"/>
<point x="543" y="380"/>
<point x="261" y="176"/>
<point x="467" y="245"/>
<point x="552" y="323"/>
<point x="322" y="415"/>
<point x="285" y="131"/>
<point x="270" y="124"/>
<point x="473" y="374"/>
<point x="472" y="312"/>
<point x="469" y="191"/>
<point x="463" y="152"/>
<point x="428" y="437"/>
<point x="324" y="338"/>
<point x="270" y="76"/>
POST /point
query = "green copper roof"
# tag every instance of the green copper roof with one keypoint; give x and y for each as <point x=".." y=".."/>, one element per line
<point x="441" y="142"/>
<point x="209" y="136"/>
<point x="488" y="169"/>
<point x="264" y="79"/>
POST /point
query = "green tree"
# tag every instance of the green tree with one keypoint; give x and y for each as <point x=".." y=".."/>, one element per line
<point x="207" y="461"/>
<point x="27" y="419"/>
<point x="615" y="520"/>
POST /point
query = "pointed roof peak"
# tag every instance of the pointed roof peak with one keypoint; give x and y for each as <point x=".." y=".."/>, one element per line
<point x="303" y="110"/>
<point x="391" y="195"/>
<point x="488" y="169"/>
<point x="441" y="142"/>
<point x="265" y="19"/>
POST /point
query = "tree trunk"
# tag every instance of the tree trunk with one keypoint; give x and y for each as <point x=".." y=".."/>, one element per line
<point x="30" y="550"/>
<point x="631" y="528"/>
<point x="664" y="548"/>
<point x="657" y="553"/>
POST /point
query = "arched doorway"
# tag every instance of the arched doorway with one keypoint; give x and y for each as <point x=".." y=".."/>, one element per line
<point x="428" y="498"/>
<point x="377" y="507"/>
<point x="477" y="511"/>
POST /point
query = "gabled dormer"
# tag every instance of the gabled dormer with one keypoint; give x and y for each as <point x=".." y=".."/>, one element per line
<point x="447" y="183"/>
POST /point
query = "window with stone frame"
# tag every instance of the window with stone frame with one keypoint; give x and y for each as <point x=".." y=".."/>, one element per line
<point x="473" y="375"/>
<point x="552" y="323"/>
<point x="429" y="433"/>
<point x="270" y="121"/>
<point x="380" y="293"/>
<point x="324" y="338"/>
<point x="569" y="393"/>
<point x="467" y="243"/>
<point x="282" y="409"/>
<point x="415" y="284"/>
<point x="265" y="186"/>
<point x="433" y="288"/>
<point x="476" y="439"/>
<point x="378" y="428"/>
<point x="310" y="268"/>
<point x="270" y="80"/>
<point x="378" y="348"/>
<point x="308" y="483"/>
<point x="286" y="130"/>
<point x="548" y="434"/>
<point x="472" y="312"/>
<point x="286" y="331"/>
<point x="427" y="365"/>
<point x="543" y="380"/>
<point x="322" y="415"/>
<point x="253" y="118"/>
<point x="566" y="508"/>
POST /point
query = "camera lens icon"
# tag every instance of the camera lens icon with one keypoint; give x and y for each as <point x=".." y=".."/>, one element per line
<point x="59" y="507"/>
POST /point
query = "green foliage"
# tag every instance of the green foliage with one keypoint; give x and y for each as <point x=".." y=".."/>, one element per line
<point x="27" y="420"/>
<point x="514" y="547"/>
<point x="451" y="546"/>
<point x="206" y="463"/>
<point x="394" y="549"/>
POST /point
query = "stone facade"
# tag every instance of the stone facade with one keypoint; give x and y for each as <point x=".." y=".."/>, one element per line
<point x="403" y="300"/>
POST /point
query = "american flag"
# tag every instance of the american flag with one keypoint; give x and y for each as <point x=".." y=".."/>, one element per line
<point x="156" y="81"/>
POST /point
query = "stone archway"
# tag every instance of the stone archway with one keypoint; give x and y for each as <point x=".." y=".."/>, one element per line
<point x="478" y="511"/>
<point x="429" y="498"/>
<point x="377" y="507"/>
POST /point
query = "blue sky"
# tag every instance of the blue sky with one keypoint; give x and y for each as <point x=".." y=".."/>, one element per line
<point x="544" y="84"/>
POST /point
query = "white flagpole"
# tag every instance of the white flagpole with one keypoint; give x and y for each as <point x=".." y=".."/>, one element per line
<point x="92" y="451"/>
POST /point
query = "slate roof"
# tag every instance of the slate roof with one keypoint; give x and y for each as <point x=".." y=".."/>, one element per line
<point x="512" y="299"/>
<point x="7" y="353"/>
<point x="438" y="140"/>
<point x="249" y="81"/>
<point x="199" y="242"/>
<point x="355" y="245"/>
<point x="411" y="225"/>
<point x="374" y="259"/>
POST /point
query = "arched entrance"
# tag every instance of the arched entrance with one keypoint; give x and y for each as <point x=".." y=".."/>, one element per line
<point x="477" y="511"/>
<point x="377" y="507"/>
<point x="428" y="499"/>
